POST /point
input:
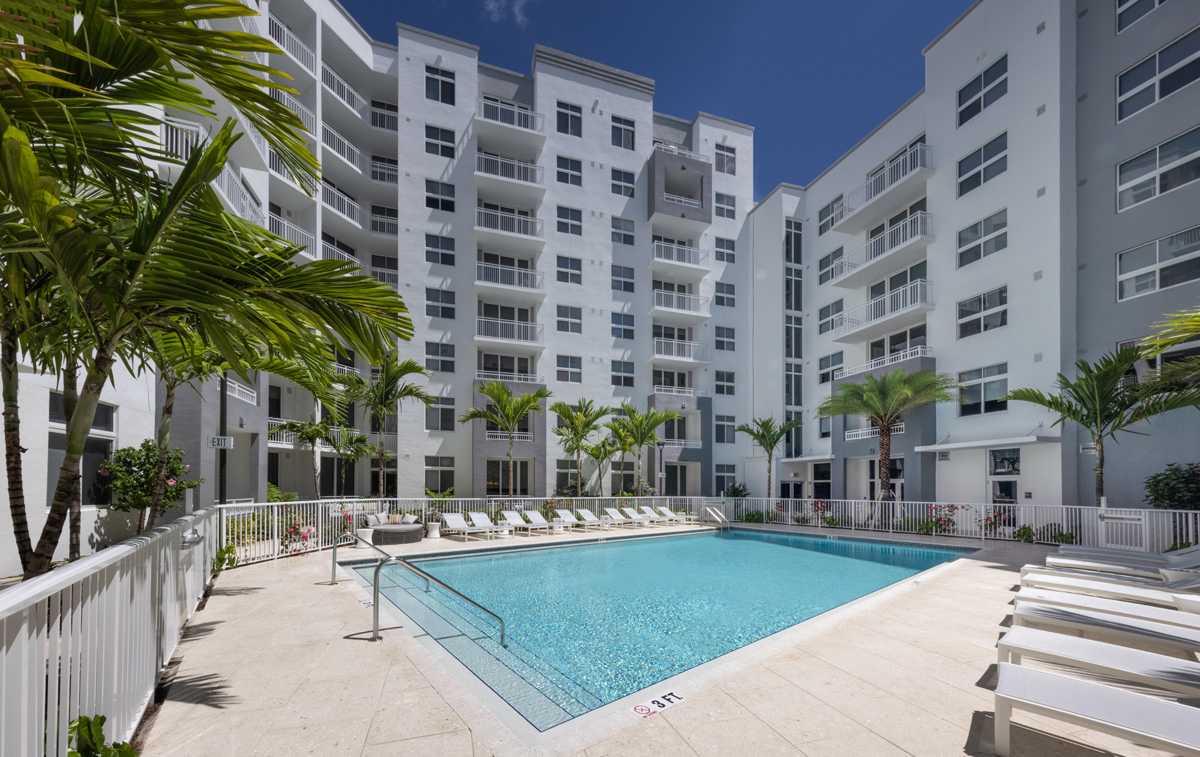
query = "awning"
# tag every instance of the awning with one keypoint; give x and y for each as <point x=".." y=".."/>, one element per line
<point x="807" y="459"/>
<point x="1012" y="441"/>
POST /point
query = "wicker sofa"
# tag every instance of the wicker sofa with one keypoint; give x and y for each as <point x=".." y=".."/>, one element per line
<point x="385" y="533"/>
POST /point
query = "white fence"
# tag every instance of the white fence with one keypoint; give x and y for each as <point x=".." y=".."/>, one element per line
<point x="93" y="637"/>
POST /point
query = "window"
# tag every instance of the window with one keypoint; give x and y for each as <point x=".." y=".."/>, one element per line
<point x="570" y="221"/>
<point x="726" y="206"/>
<point x="94" y="489"/>
<point x="793" y="288"/>
<point x="983" y="390"/>
<point x="1161" y="75"/>
<point x="827" y="315"/>
<point x="725" y="382"/>
<point x="1129" y="11"/>
<point x="725" y="293"/>
<point x="622" y="230"/>
<point x="102" y="421"/>
<point x="566" y="473"/>
<point x="439" y="356"/>
<point x="1157" y="171"/>
<point x="983" y="313"/>
<point x="725" y="250"/>
<point x="439" y="473"/>
<point x="622" y="132"/>
<point x="570" y="119"/>
<point x="825" y="215"/>
<point x="439" y="415"/>
<point x="791" y="440"/>
<point x="439" y="195"/>
<point x="826" y="428"/>
<point x="570" y="369"/>
<point x="828" y="366"/>
<point x="981" y="239"/>
<point x="385" y="169"/>
<point x="984" y="164"/>
<point x="439" y="141"/>
<point x="726" y="477"/>
<point x="570" y="171"/>
<point x="792" y="384"/>
<point x="439" y="250"/>
<point x="439" y="85"/>
<point x="505" y="365"/>
<point x="793" y="336"/>
<point x="826" y="265"/>
<point x="622" y="278"/>
<point x="570" y="270"/>
<point x="822" y="480"/>
<point x="622" y="325"/>
<point x="726" y="429"/>
<point x="439" y="303"/>
<point x="725" y="338"/>
<point x="897" y="342"/>
<point x="385" y="115"/>
<point x="622" y="182"/>
<point x="983" y="90"/>
<point x="791" y="241"/>
<point x="385" y="220"/>
<point x="622" y="373"/>
<point x="570" y="319"/>
<point x="1163" y="264"/>
<point x="623" y="476"/>
<point x="726" y="160"/>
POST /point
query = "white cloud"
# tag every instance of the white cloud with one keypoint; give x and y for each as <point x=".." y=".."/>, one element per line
<point x="499" y="10"/>
<point x="495" y="9"/>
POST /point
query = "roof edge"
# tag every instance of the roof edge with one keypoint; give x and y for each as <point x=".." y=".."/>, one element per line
<point x="439" y="37"/>
<point x="948" y="29"/>
<point x="569" y="62"/>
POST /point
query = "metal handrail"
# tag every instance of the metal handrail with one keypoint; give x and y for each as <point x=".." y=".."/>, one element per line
<point x="717" y="516"/>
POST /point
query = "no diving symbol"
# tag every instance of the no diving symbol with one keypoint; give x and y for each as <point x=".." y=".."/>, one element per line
<point x="642" y="710"/>
<point x="656" y="705"/>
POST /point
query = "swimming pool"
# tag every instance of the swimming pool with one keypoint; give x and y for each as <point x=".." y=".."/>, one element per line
<point x="589" y="624"/>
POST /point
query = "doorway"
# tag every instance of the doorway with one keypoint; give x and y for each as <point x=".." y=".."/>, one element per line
<point x="676" y="483"/>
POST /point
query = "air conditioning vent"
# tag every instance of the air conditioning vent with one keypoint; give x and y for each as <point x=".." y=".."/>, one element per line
<point x="1087" y="449"/>
<point x="943" y="457"/>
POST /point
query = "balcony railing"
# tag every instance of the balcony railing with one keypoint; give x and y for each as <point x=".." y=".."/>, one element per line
<point x="916" y="225"/>
<point x="916" y="157"/>
<point x="249" y="25"/>
<point x="391" y="278"/>
<point x="502" y="113"/>
<point x="342" y="147"/>
<point x="291" y="44"/>
<point x="336" y="200"/>
<point x="883" y="362"/>
<point x="385" y="119"/>
<point x="385" y="225"/>
<point x="688" y="443"/>
<point x="345" y="370"/>
<point x="241" y="391"/>
<point x="343" y="91"/>
<point x="289" y="101"/>
<point x="680" y="301"/>
<point x="897" y="301"/>
<point x="244" y="204"/>
<point x="274" y="434"/>
<point x="486" y="273"/>
<point x="673" y="150"/>
<point x="502" y="436"/>
<point x="388" y="173"/>
<point x="256" y="137"/>
<point x="289" y="231"/>
<point x="674" y="253"/>
<point x="513" y="224"/>
<point x="687" y="202"/>
<point x="329" y="252"/>
<point x="508" y="168"/>
<point x="517" y="378"/>
<point x="389" y="440"/>
<point x="671" y="348"/>
<point x="870" y="433"/>
<point x="513" y="331"/>
<point x="180" y="137"/>
<point x="678" y="391"/>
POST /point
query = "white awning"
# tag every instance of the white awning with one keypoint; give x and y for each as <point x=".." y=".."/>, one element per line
<point x="808" y="459"/>
<point x="1012" y="441"/>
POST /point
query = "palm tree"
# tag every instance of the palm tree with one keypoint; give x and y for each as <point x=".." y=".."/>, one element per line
<point x="1179" y="328"/>
<point x="602" y="453"/>
<point x="311" y="434"/>
<point x="642" y="428"/>
<point x="623" y="442"/>
<point x="767" y="434"/>
<point x="507" y="412"/>
<point x="385" y="395"/>
<point x="884" y="401"/>
<point x="574" y="434"/>
<point x="1101" y="400"/>
<point x="350" y="446"/>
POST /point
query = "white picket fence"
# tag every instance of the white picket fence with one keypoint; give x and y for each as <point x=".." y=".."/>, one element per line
<point x="93" y="637"/>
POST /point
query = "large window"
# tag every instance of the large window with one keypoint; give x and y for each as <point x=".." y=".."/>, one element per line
<point x="726" y="159"/>
<point x="793" y="336"/>
<point x="725" y="382"/>
<point x="726" y="250"/>
<point x="1157" y="171"/>
<point x="622" y="278"/>
<point x="570" y="319"/>
<point x="439" y="195"/>
<point x="622" y="373"/>
<point x="439" y="141"/>
<point x="570" y="221"/>
<point x="825" y="427"/>
<point x="983" y="313"/>
<point x="570" y="119"/>
<point x="984" y="164"/>
<point x="570" y="369"/>
<point x="439" y="356"/>
<point x="622" y="325"/>
<point x="822" y="480"/>
<point x="622" y="132"/>
<point x="725" y="295"/>
<point x="1162" y="264"/>
<point x="981" y="239"/>
<point x="439" y="473"/>
<point x="983" y="390"/>
<point x="827" y="315"/>
<point x="439" y="303"/>
<point x="726" y="429"/>
<point x="570" y="270"/>
<point x="983" y="90"/>
<point x="792" y="384"/>
<point x="828" y="365"/>
<point x="792" y="241"/>
<point x="725" y="478"/>
<point x="622" y="182"/>
<point x="622" y="477"/>
<point x="825" y="216"/>
<point x="622" y="230"/>
<point x="726" y="206"/>
<point x="793" y="289"/>
<point x="439" y="85"/>
<point x="439" y="250"/>
<point x="570" y="171"/>
<point x="439" y="415"/>
<point x="826" y="265"/>
<point x="1129" y="11"/>
<point x="1161" y="75"/>
<point x="725" y="339"/>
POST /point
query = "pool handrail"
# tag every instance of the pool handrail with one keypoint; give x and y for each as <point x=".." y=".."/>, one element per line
<point x="721" y="520"/>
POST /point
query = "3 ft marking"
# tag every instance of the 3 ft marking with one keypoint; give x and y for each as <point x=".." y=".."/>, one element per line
<point x="657" y="705"/>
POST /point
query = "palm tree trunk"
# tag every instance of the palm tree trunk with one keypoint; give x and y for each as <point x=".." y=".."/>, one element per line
<point x="1099" y="470"/>
<point x="13" y="451"/>
<point x="885" y="459"/>
<point x="769" y="494"/>
<point x="382" y="477"/>
<point x="579" y="472"/>
<point x="160" y="465"/>
<point x="316" y="466"/>
<point x="512" y="480"/>
<point x="70" y="399"/>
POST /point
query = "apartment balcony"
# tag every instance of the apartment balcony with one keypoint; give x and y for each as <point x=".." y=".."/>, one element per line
<point x="180" y="137"/>
<point x="893" y="187"/>
<point x="386" y="173"/>
<point x="677" y="262"/>
<point x="329" y="252"/>
<point x="344" y="93"/>
<point x="679" y="192"/>
<point x="240" y="391"/>
<point x="682" y="443"/>
<point x="895" y="249"/>
<point x="276" y="437"/>
<point x="296" y="50"/>
<point x="340" y="203"/>
<point x="893" y="311"/>
<point x="508" y="232"/>
<point x="502" y="436"/>
<point x="388" y="440"/>
<point x="386" y="225"/>
<point x="887" y="362"/>
<point x="511" y="378"/>
<point x="292" y="233"/>
<point x="677" y="398"/>
<point x="292" y="103"/>
<point x="238" y="198"/>
<point x="387" y="276"/>
<point x="673" y="150"/>
<point x="519" y="285"/>
<point x="871" y="433"/>
<point x="678" y="308"/>
<point x="340" y="146"/>
<point x="673" y="352"/>
<point x="508" y="129"/>
<point x="510" y="332"/>
<point x="509" y="180"/>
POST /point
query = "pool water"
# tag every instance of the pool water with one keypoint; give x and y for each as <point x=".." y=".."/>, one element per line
<point x="589" y="624"/>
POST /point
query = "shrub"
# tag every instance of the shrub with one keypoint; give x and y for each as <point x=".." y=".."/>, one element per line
<point x="130" y="475"/>
<point x="275" y="494"/>
<point x="833" y="521"/>
<point x="1176" y="488"/>
<point x="801" y="520"/>
<point x="1179" y="545"/>
<point x="447" y="494"/>
<point x="1054" y="534"/>
<point x="752" y="517"/>
<point x="736" y="490"/>
<point x="1025" y="534"/>
<point x="226" y="557"/>
<point x="87" y="740"/>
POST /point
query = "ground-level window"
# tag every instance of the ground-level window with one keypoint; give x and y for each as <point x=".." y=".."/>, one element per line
<point x="726" y="477"/>
<point x="822" y="480"/>
<point x="498" y="477"/>
<point x="897" y="471"/>
<point x="1004" y="471"/>
<point x="94" y="491"/>
<point x="439" y="473"/>
<point x="623" y="476"/>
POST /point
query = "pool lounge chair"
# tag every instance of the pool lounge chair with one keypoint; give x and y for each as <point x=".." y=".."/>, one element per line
<point x="589" y="518"/>
<point x="1137" y="717"/>
<point x="1134" y="630"/>
<point x="514" y="519"/>
<point x="1145" y="594"/>
<point x="636" y="517"/>
<point x="568" y="518"/>
<point x="648" y="511"/>
<point x="617" y="518"/>
<point x="481" y="520"/>
<point x="1079" y="550"/>
<point x="453" y="523"/>
<point x="1174" y="616"/>
<point x="1172" y="580"/>
<point x="536" y="519"/>
<point x="1129" y="567"/>
<point x="666" y="513"/>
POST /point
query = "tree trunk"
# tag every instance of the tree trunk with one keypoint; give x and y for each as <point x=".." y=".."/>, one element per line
<point x="769" y="494"/>
<point x="1099" y="470"/>
<point x="70" y="399"/>
<point x="885" y="459"/>
<point x="316" y="465"/>
<point x="75" y="523"/>
<point x="13" y="451"/>
<point x="160" y="465"/>
<point x="622" y="473"/>
<point x="579" y="473"/>
<point x="382" y="477"/>
<point x="512" y="480"/>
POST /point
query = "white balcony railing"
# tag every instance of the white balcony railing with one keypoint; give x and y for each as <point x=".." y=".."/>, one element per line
<point x="385" y="119"/>
<point x="292" y="103"/>
<point x="385" y="225"/>
<point x="336" y="200"/>
<point x="688" y="443"/>
<point x="503" y="113"/>
<point x="673" y="150"/>
<point x="916" y="225"/>
<point x="513" y="224"/>
<point x="180" y="137"/>
<point x="501" y="436"/>
<point x="343" y="148"/>
<point x="516" y="378"/>
<point x="513" y="331"/>
<point x="274" y="434"/>
<point x="883" y="362"/>
<point x="241" y="391"/>
<point x="870" y="433"/>
<point x="678" y="391"/>
<point x="388" y="173"/>
<point x="289" y="231"/>
<point x="687" y="202"/>
<point x="916" y="157"/>
<point x="523" y="278"/>
<point x="329" y="252"/>
<point x="345" y="370"/>
<point x="343" y="91"/>
<point x="675" y="253"/>
<point x="244" y="204"/>
<point x="256" y="137"/>
<point x="508" y="168"/>
<point x="391" y="278"/>
<point x="249" y="25"/>
<point x="671" y="348"/>
<point x="907" y="297"/>
<point x="389" y="440"/>
<point x="680" y="301"/>
<point x="291" y="44"/>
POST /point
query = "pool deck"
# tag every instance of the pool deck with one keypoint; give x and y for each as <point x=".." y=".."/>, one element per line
<point x="279" y="662"/>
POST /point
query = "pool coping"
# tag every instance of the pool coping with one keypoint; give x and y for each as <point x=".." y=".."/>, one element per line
<point x="608" y="719"/>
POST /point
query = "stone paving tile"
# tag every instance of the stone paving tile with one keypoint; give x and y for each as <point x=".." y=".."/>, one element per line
<point x="797" y="715"/>
<point x="749" y="736"/>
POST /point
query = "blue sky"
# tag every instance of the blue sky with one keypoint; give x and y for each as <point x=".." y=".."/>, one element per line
<point x="811" y="77"/>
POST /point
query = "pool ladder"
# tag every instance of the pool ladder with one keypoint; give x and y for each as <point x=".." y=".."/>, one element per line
<point x="395" y="560"/>
<point x="716" y="515"/>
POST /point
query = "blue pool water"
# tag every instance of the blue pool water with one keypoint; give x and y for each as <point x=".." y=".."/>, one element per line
<point x="589" y="624"/>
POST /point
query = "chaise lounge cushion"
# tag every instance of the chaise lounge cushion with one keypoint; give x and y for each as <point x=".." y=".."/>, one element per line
<point x="400" y="533"/>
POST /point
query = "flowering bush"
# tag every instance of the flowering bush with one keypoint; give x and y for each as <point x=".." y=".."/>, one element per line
<point x="130" y="473"/>
<point x="295" y="534"/>
<point x="736" y="490"/>
<point x="939" y="520"/>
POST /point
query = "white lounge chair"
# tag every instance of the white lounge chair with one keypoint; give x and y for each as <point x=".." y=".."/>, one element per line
<point x="568" y="518"/>
<point x="590" y="518"/>
<point x="1122" y="566"/>
<point x="1172" y="580"/>
<point x="617" y="518"/>
<point x="653" y="516"/>
<point x="636" y="517"/>
<point x="666" y="512"/>
<point x="513" y="518"/>
<point x="454" y="523"/>
<point x="1146" y="594"/>
<point x="1137" y="717"/>
<point x="1111" y="606"/>
<point x="537" y="520"/>
<point x="1078" y="550"/>
<point x="1118" y="626"/>
<point x="481" y="520"/>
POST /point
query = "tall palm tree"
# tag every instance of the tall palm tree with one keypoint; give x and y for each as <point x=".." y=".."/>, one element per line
<point x="310" y="434"/>
<point x="884" y="400"/>
<point x="642" y="429"/>
<point x="350" y="446"/>
<point x="602" y="453"/>
<point x="575" y="432"/>
<point x="385" y="395"/>
<point x="507" y="412"/>
<point x="623" y="442"/>
<point x="767" y="433"/>
<point x="1101" y="401"/>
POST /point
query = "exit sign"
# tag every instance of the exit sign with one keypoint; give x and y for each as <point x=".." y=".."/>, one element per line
<point x="220" y="442"/>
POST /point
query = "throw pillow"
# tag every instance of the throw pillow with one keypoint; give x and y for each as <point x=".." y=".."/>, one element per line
<point x="409" y="519"/>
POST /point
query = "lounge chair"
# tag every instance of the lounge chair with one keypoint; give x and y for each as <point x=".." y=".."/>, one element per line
<point x="1131" y="567"/>
<point x="481" y="520"/>
<point x="1145" y="594"/>
<point x="454" y="523"/>
<point x="1079" y="550"/>
<point x="1111" y="606"/>
<point x="666" y="512"/>
<point x="1137" y="717"/>
<point x="617" y="518"/>
<point x="1118" y="626"/>
<point x="1172" y="580"/>
<point x="589" y="518"/>
<point x="648" y="511"/>
<point x="514" y="519"/>
<point x="569" y="519"/>
<point x="536" y="519"/>
<point x="645" y="520"/>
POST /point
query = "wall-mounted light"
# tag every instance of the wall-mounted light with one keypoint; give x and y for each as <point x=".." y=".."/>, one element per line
<point x="190" y="538"/>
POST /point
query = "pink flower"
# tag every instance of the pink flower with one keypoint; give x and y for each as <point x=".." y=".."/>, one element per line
<point x="187" y="467"/>
<point x="103" y="471"/>
<point x="170" y="482"/>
